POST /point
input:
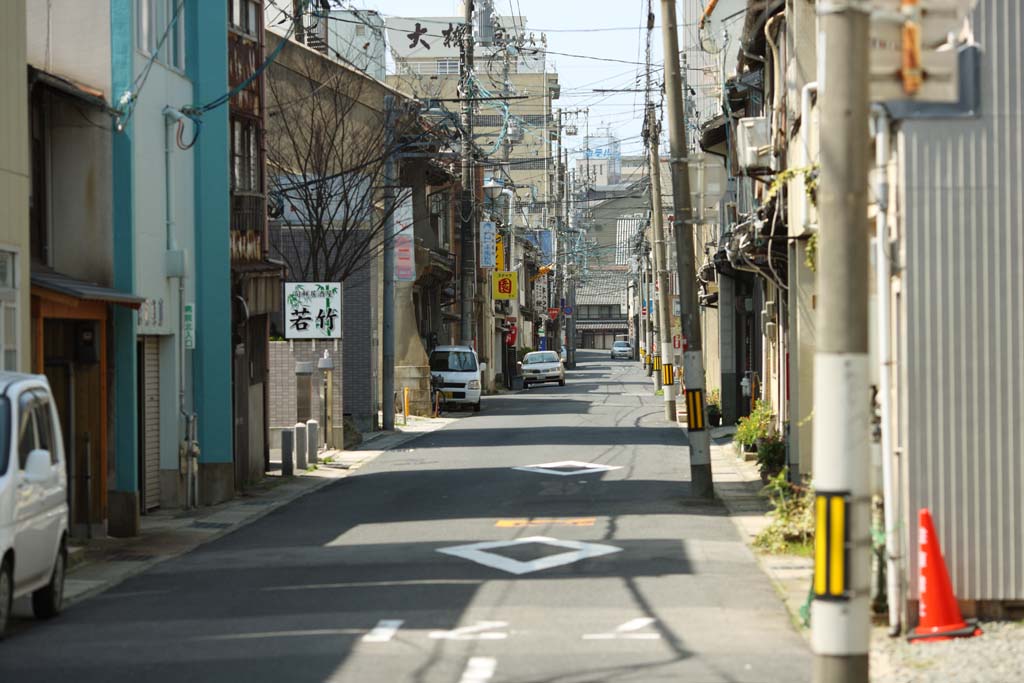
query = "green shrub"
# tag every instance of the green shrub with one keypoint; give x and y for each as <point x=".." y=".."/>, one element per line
<point x="756" y="426"/>
<point x="771" y="455"/>
<point x="792" y="527"/>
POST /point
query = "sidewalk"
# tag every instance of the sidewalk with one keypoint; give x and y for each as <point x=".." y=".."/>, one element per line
<point x="738" y="485"/>
<point x="101" y="563"/>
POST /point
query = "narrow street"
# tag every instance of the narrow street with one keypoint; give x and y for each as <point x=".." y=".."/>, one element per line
<point x="365" y="579"/>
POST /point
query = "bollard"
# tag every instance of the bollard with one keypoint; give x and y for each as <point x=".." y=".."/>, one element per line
<point x="287" y="446"/>
<point x="300" y="445"/>
<point x="313" y="440"/>
<point x="405" y="406"/>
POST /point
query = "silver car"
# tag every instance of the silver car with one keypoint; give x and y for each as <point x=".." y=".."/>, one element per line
<point x="622" y="349"/>
<point x="542" y="366"/>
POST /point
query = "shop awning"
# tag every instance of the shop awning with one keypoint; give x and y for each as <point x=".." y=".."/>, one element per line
<point x="80" y="289"/>
<point x="603" y="325"/>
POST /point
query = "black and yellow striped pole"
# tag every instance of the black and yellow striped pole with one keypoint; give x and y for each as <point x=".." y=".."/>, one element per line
<point x="656" y="370"/>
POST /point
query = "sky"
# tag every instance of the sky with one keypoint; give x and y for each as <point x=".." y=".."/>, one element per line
<point x="571" y="26"/>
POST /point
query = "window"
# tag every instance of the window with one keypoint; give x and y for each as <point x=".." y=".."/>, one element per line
<point x="447" y="66"/>
<point x="44" y="425"/>
<point x="161" y="31"/>
<point x="5" y="433"/>
<point x="245" y="171"/>
<point x="244" y="16"/>
<point x="8" y="312"/>
<point x="452" y="361"/>
<point x="360" y="30"/>
<point x="26" y="429"/>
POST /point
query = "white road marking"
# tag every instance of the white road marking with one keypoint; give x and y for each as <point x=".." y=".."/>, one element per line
<point x="576" y="551"/>
<point x="479" y="670"/>
<point x="384" y="631"/>
<point x="482" y="630"/>
<point x="627" y="631"/>
<point x="583" y="468"/>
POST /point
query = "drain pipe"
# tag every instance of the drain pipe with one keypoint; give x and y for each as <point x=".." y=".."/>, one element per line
<point x="883" y="268"/>
<point x="176" y="269"/>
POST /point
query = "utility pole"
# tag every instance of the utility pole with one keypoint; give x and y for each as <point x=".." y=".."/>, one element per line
<point x="468" y="203"/>
<point x="388" y="305"/>
<point x="652" y="131"/>
<point x="559" y="237"/>
<point x="840" y="616"/>
<point x="698" y="435"/>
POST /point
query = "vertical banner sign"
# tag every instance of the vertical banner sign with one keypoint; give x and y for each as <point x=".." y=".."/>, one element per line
<point x="404" y="244"/>
<point x="189" y="331"/>
<point x="504" y="284"/>
<point x="312" y="310"/>
<point x="488" y="244"/>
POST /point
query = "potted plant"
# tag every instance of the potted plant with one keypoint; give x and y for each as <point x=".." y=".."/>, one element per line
<point x="715" y="408"/>
<point x="754" y="427"/>
<point x="771" y="456"/>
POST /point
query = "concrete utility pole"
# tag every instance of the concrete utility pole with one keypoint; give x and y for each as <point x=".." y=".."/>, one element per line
<point x="468" y="203"/>
<point x="388" y="305"/>
<point x="693" y="361"/>
<point x="840" y="616"/>
<point x="652" y="131"/>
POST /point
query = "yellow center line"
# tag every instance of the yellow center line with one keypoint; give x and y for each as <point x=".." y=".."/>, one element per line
<point x="545" y="521"/>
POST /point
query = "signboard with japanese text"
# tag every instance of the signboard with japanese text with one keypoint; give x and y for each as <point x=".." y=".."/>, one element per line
<point x="504" y="284"/>
<point x="190" y="325"/>
<point x="403" y="244"/>
<point x="488" y="244"/>
<point x="312" y="310"/>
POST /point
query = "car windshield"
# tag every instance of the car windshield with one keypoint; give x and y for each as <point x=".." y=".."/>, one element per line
<point x="542" y="357"/>
<point x="452" y="361"/>
<point x="621" y="345"/>
<point x="5" y="433"/>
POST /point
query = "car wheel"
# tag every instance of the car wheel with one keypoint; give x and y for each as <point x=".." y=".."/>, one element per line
<point x="6" y="595"/>
<point x="561" y="382"/>
<point x="476" y="407"/>
<point x="47" y="601"/>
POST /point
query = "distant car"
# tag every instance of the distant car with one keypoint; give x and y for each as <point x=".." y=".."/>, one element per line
<point x="33" y="497"/>
<point x="621" y="349"/>
<point x="542" y="366"/>
<point x="459" y="375"/>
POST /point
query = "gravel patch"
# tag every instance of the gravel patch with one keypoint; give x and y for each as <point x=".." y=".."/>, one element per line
<point x="996" y="656"/>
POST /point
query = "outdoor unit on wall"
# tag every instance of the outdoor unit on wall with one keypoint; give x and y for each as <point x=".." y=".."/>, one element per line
<point x="754" y="145"/>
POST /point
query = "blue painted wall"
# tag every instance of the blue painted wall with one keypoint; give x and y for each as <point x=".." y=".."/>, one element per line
<point x="126" y="477"/>
<point x="211" y="361"/>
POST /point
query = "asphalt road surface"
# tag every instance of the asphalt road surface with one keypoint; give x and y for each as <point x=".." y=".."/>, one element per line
<point x="445" y="562"/>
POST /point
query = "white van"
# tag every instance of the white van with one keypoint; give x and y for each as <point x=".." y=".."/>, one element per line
<point x="33" y="497"/>
<point x="460" y="374"/>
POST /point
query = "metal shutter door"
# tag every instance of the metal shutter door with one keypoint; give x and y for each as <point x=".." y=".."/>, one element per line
<point x="151" y="419"/>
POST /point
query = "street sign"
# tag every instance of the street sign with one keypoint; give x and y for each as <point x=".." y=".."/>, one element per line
<point x="403" y="243"/>
<point x="676" y="343"/>
<point x="312" y="310"/>
<point x="190" y="326"/>
<point x="643" y="311"/>
<point x="488" y="244"/>
<point x="504" y="284"/>
<point x="567" y="311"/>
<point x="553" y="313"/>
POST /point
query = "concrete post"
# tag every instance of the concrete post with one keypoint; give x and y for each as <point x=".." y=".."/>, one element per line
<point x="303" y="391"/>
<point x="287" y="453"/>
<point x="841" y="614"/>
<point x="300" y="445"/>
<point x="312" y="441"/>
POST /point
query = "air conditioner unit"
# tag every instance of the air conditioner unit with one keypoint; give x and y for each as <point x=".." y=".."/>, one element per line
<point x="754" y="145"/>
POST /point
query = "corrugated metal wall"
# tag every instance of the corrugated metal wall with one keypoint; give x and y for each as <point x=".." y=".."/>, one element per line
<point x="963" y="354"/>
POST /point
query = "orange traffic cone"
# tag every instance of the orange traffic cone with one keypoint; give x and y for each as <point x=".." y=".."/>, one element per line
<point x="939" y="614"/>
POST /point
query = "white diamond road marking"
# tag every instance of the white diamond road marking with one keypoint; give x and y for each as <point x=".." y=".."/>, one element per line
<point x="576" y="551"/>
<point x="584" y="468"/>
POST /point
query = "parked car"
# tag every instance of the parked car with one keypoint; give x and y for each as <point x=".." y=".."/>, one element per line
<point x="542" y="366"/>
<point x="460" y="374"/>
<point x="621" y="349"/>
<point x="33" y="497"/>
